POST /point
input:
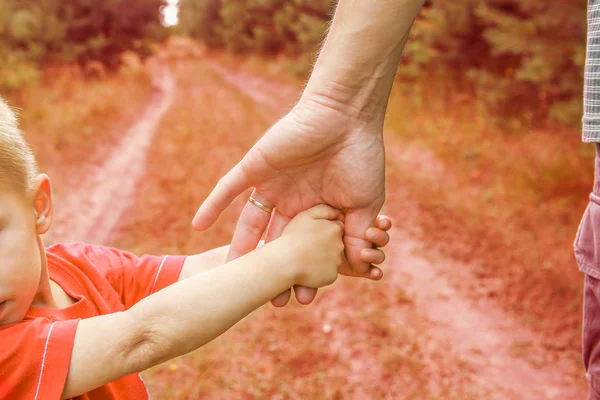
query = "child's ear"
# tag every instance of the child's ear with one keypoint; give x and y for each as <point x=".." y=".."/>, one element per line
<point x="42" y="203"/>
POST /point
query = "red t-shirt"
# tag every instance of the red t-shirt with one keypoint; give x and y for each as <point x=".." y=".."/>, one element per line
<point x="35" y="353"/>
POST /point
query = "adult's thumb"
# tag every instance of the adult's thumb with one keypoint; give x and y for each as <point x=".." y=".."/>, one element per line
<point x="356" y="225"/>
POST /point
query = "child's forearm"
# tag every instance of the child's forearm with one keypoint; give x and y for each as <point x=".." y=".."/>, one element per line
<point x="206" y="261"/>
<point x="191" y="313"/>
<point x="175" y="320"/>
<point x="203" y="262"/>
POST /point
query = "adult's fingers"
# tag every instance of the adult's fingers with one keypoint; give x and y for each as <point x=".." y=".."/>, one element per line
<point x="304" y="295"/>
<point x="383" y="222"/>
<point x="377" y="237"/>
<point x="249" y="230"/>
<point x="278" y="224"/>
<point x="356" y="224"/>
<point x="226" y="190"/>
<point x="282" y="298"/>
<point x="375" y="273"/>
<point x="276" y="227"/>
<point x="372" y="256"/>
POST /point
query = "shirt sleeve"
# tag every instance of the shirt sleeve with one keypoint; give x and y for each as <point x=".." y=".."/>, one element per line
<point x="135" y="277"/>
<point x="35" y="358"/>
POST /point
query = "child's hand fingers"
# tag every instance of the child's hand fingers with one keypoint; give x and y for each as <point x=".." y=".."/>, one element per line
<point x="383" y="222"/>
<point x="372" y="256"/>
<point x="377" y="236"/>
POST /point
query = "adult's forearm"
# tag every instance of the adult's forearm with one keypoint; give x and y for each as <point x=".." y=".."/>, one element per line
<point x="356" y="67"/>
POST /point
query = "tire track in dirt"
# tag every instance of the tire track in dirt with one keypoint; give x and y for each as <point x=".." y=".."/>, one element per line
<point x="499" y="353"/>
<point x="482" y="335"/>
<point x="107" y="190"/>
<point x="262" y="91"/>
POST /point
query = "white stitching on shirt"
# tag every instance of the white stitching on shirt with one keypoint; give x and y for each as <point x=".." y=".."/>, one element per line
<point x="158" y="273"/>
<point x="37" y="391"/>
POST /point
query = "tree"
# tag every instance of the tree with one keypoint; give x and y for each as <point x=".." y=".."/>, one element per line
<point x="266" y="26"/>
<point x="77" y="30"/>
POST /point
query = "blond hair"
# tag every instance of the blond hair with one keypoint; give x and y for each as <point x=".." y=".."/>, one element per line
<point x="18" y="168"/>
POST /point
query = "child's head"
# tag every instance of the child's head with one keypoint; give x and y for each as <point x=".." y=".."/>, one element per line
<point x="25" y="213"/>
<point x="18" y="168"/>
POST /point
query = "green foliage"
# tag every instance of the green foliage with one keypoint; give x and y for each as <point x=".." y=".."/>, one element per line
<point x="519" y="58"/>
<point x="266" y="26"/>
<point x="523" y="59"/>
<point x="79" y="30"/>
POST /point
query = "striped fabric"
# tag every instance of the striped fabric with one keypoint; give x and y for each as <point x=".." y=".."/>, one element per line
<point x="591" y="100"/>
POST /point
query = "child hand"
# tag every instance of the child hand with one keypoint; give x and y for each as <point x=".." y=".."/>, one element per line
<point x="314" y="246"/>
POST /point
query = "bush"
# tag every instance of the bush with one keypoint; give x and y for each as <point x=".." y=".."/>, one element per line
<point x="520" y="58"/>
<point x="267" y="26"/>
<point x="75" y="31"/>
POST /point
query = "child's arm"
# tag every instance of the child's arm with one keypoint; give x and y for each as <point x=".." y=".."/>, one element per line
<point x="192" y="312"/>
<point x="203" y="262"/>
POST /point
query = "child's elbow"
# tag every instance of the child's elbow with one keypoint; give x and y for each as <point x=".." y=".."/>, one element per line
<point x="145" y="345"/>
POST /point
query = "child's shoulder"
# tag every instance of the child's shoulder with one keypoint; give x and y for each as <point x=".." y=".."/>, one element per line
<point x="78" y="253"/>
<point x="84" y="262"/>
<point x="74" y="249"/>
<point x="31" y="328"/>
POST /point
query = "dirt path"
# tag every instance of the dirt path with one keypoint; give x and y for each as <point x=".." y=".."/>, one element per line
<point x="257" y="88"/>
<point x="415" y="335"/>
<point x="107" y="190"/>
<point x="499" y="352"/>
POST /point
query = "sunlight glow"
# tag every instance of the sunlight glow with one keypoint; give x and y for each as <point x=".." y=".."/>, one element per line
<point x="171" y="13"/>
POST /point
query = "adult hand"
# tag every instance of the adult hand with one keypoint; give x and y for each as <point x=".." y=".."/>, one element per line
<point x="313" y="155"/>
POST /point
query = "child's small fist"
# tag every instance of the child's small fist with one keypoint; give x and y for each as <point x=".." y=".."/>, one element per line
<point x="315" y="247"/>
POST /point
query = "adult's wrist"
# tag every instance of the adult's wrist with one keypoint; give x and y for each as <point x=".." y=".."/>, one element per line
<point x="357" y="65"/>
<point x="322" y="112"/>
<point x="365" y="104"/>
<point x="358" y="86"/>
